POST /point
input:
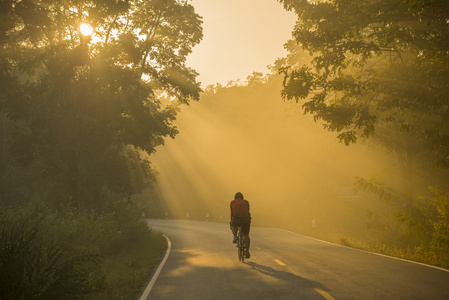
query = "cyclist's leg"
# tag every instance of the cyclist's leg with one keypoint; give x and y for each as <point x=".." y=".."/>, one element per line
<point x="233" y="228"/>
<point x="246" y="228"/>
<point x="234" y="231"/>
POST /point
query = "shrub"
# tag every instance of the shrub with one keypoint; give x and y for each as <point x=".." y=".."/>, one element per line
<point x="439" y="245"/>
<point x="33" y="269"/>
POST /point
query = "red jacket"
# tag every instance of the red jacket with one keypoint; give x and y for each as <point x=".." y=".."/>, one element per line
<point x="239" y="206"/>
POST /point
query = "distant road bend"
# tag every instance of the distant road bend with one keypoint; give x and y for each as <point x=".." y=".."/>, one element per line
<point x="203" y="264"/>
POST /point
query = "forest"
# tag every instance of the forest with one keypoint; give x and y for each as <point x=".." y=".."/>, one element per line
<point x="346" y="138"/>
<point x="81" y="88"/>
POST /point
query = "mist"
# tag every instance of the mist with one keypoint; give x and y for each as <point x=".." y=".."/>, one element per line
<point x="246" y="138"/>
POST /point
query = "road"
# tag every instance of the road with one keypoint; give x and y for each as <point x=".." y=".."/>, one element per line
<point x="203" y="264"/>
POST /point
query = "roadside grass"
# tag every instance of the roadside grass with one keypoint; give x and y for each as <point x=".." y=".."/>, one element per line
<point x="393" y="238"/>
<point x="421" y="254"/>
<point x="128" y="271"/>
<point x="49" y="254"/>
<point x="129" y="248"/>
<point x="418" y="232"/>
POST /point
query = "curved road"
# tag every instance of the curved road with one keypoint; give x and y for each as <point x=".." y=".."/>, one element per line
<point x="203" y="264"/>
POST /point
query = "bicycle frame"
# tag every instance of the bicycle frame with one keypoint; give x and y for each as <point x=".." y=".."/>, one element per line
<point x="241" y="244"/>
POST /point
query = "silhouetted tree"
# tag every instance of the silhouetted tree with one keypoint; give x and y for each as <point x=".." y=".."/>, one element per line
<point x="379" y="68"/>
<point x="86" y="108"/>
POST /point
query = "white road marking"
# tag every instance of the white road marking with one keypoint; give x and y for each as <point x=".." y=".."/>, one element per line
<point x="156" y="274"/>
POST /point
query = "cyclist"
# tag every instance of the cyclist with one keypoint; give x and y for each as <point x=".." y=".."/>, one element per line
<point x="240" y="216"/>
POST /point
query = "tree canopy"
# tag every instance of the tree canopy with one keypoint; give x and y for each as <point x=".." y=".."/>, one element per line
<point x="379" y="67"/>
<point x="84" y="108"/>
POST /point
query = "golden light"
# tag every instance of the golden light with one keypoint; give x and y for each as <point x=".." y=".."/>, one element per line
<point x="86" y="29"/>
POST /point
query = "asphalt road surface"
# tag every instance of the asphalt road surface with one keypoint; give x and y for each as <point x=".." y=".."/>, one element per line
<point x="203" y="264"/>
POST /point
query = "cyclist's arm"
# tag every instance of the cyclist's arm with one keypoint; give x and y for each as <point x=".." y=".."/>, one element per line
<point x="230" y="206"/>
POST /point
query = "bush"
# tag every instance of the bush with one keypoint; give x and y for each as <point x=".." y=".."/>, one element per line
<point x="419" y="232"/>
<point x="439" y="244"/>
<point x="33" y="269"/>
<point x="73" y="254"/>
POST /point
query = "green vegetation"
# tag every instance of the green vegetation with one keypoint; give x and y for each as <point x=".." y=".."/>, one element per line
<point x="75" y="254"/>
<point x="378" y="71"/>
<point x="79" y="117"/>
<point x="418" y="233"/>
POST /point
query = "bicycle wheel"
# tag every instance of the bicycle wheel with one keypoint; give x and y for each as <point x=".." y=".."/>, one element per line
<point x="241" y="246"/>
<point x="239" y="253"/>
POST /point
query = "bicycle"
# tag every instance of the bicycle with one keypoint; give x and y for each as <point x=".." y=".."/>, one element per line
<point x="241" y="244"/>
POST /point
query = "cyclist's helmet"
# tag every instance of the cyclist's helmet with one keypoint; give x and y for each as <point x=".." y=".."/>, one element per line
<point x="238" y="196"/>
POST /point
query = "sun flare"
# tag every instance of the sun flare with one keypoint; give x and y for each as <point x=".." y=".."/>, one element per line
<point x="86" y="29"/>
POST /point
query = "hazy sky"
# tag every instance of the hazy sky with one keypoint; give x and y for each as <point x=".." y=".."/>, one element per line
<point x="240" y="37"/>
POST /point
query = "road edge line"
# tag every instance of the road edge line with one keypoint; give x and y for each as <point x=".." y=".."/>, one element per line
<point x="150" y="285"/>
<point x="366" y="251"/>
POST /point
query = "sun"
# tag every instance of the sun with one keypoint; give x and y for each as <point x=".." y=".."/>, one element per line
<point x="86" y="29"/>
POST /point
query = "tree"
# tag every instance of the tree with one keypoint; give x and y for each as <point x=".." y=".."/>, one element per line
<point x="87" y="107"/>
<point x="379" y="68"/>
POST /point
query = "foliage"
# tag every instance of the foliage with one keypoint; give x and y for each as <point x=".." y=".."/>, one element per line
<point x="83" y="109"/>
<point x="129" y="249"/>
<point x="32" y="269"/>
<point x="440" y="238"/>
<point x="46" y="254"/>
<point x="418" y="232"/>
<point x="375" y="65"/>
<point x="375" y="186"/>
<point x="429" y="227"/>
<point x="79" y="116"/>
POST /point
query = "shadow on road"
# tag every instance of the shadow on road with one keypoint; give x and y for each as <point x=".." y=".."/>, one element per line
<point x="285" y="276"/>
<point x="290" y="283"/>
<point x="195" y="274"/>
